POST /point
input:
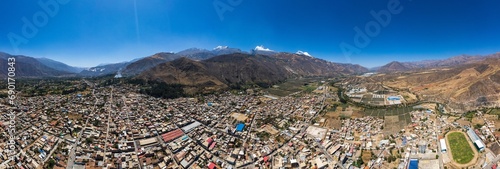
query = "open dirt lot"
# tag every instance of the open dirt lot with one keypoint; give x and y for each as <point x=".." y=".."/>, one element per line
<point x="477" y="120"/>
<point x="271" y="130"/>
<point x="332" y="114"/>
<point x="409" y="97"/>
<point x="366" y="156"/>
<point x="74" y="116"/>
<point x="316" y="132"/>
<point x="332" y="123"/>
<point x="239" y="116"/>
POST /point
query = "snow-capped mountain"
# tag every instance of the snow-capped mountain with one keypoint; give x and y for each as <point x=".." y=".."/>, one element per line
<point x="262" y="48"/>
<point x="104" y="69"/>
<point x="303" y="53"/>
<point x="202" y="54"/>
<point x="219" y="53"/>
<point x="263" y="51"/>
<point x="224" y="50"/>
<point x="220" y="47"/>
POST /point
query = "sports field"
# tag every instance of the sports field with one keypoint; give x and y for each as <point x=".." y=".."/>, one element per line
<point x="460" y="148"/>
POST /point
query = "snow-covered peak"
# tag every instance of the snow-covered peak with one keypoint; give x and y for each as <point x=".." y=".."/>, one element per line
<point x="262" y="48"/>
<point x="220" y="47"/>
<point x="302" y="53"/>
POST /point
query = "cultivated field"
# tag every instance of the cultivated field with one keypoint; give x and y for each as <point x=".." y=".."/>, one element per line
<point x="392" y="125"/>
<point x="494" y="112"/>
<point x="460" y="148"/>
<point x="370" y="99"/>
<point x="395" y="118"/>
<point x="293" y="85"/>
<point x="401" y="112"/>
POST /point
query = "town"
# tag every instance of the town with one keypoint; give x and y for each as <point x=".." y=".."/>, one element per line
<point x="114" y="126"/>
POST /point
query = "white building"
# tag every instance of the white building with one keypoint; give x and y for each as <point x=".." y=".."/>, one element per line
<point x="479" y="145"/>
<point x="443" y="145"/>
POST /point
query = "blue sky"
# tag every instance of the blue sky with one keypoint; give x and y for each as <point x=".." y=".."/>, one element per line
<point x="90" y="32"/>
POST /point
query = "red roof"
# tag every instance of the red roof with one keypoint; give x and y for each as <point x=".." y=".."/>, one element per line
<point x="212" y="146"/>
<point x="172" y="135"/>
<point x="211" y="165"/>
<point x="266" y="158"/>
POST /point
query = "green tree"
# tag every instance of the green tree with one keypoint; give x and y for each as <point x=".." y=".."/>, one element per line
<point x="359" y="162"/>
<point x="89" y="140"/>
<point x="51" y="163"/>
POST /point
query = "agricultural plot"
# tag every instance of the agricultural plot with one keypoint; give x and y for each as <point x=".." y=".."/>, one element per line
<point x="374" y="100"/>
<point x="292" y="86"/>
<point x="494" y="112"/>
<point x="395" y="118"/>
<point x="392" y="125"/>
<point x="402" y="112"/>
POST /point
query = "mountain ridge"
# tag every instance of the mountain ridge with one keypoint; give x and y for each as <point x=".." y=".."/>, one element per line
<point x="30" y="67"/>
<point x="426" y="64"/>
<point x="59" y="65"/>
<point x="202" y="54"/>
<point x="466" y="85"/>
<point x="239" y="69"/>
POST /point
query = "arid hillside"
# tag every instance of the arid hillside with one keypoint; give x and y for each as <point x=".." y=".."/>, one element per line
<point x="470" y="85"/>
<point x="235" y="70"/>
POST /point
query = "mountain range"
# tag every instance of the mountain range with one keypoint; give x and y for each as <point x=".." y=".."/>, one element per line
<point x="50" y="68"/>
<point x="47" y="67"/>
<point x="223" y="67"/>
<point x="396" y="66"/>
<point x="464" y="81"/>
<point x="31" y="67"/>
<point x="59" y="65"/>
<point x="238" y="69"/>
<point x="136" y="66"/>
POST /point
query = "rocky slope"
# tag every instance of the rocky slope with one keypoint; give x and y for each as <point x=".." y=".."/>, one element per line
<point x="471" y="85"/>
<point x="234" y="70"/>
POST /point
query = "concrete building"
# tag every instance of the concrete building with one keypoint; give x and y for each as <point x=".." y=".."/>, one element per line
<point x="475" y="139"/>
<point x="443" y="145"/>
<point x="422" y="146"/>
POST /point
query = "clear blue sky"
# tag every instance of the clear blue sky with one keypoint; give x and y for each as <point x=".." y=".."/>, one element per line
<point x="90" y="32"/>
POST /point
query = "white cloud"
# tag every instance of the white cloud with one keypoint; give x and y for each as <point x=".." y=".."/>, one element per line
<point x="302" y="53"/>
<point x="262" y="48"/>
